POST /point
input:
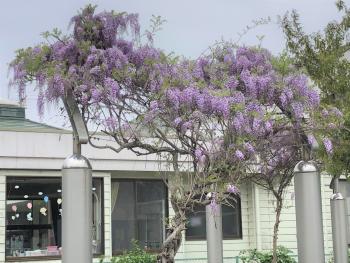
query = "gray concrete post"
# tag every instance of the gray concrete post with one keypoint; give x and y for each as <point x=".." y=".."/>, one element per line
<point x="76" y="210"/>
<point x="339" y="228"/>
<point x="308" y="208"/>
<point x="214" y="234"/>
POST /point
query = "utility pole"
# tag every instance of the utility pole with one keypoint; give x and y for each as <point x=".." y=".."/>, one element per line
<point x="308" y="209"/>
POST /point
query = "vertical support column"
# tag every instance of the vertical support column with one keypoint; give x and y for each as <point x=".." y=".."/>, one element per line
<point x="308" y="208"/>
<point x="214" y="234"/>
<point x="339" y="228"/>
<point x="76" y="210"/>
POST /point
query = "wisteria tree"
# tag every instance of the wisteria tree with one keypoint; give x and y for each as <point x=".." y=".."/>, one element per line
<point x="213" y="117"/>
<point x="279" y="153"/>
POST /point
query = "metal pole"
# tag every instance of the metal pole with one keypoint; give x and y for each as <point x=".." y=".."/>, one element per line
<point x="308" y="209"/>
<point x="339" y="228"/>
<point x="214" y="234"/>
<point x="76" y="210"/>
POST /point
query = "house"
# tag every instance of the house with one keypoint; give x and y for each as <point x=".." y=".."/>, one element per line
<point x="130" y="201"/>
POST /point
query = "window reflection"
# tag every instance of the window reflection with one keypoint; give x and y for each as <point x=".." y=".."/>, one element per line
<point x="231" y="221"/>
<point x="33" y="217"/>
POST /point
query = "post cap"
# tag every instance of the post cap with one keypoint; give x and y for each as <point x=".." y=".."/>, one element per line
<point x="305" y="167"/>
<point x="337" y="196"/>
<point x="76" y="161"/>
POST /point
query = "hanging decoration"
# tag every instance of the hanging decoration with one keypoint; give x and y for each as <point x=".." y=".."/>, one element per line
<point x="60" y="210"/>
<point x="14" y="208"/>
<point x="59" y="201"/>
<point x="13" y="217"/>
<point x="29" y="216"/>
<point x="29" y="205"/>
<point x="46" y="199"/>
<point x="17" y="215"/>
<point x="43" y="211"/>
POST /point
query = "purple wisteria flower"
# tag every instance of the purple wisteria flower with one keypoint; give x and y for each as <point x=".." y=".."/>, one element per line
<point x="239" y="155"/>
<point x="186" y="126"/>
<point x="177" y="121"/>
<point x="154" y="105"/>
<point x="112" y="87"/>
<point x="268" y="126"/>
<point x="336" y="112"/>
<point x="238" y="122"/>
<point x="311" y="139"/>
<point x="232" y="83"/>
<point x="249" y="148"/>
<point x="110" y="123"/>
<point x="232" y="189"/>
<point x="298" y="110"/>
<point x="328" y="145"/>
<point x="96" y="95"/>
<point x="198" y="153"/>
<point x="324" y="113"/>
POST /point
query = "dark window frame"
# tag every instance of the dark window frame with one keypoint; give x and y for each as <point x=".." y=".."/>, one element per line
<point x="224" y="237"/>
<point x="54" y="257"/>
<point x="166" y="209"/>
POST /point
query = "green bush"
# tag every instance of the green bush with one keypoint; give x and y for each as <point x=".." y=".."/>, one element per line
<point x="254" y="256"/>
<point x="135" y="255"/>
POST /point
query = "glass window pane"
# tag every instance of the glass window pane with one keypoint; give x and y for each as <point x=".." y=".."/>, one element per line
<point x="123" y="215"/>
<point x="231" y="227"/>
<point x="231" y="222"/>
<point x="33" y="216"/>
<point x="196" y="226"/>
<point x="138" y="211"/>
<point x="150" y="213"/>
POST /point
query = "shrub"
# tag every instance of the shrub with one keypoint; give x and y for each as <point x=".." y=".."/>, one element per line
<point x="135" y="255"/>
<point x="255" y="256"/>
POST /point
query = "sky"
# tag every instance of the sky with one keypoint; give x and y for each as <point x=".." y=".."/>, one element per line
<point x="191" y="27"/>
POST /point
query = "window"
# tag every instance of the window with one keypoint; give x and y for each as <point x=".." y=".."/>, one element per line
<point x="231" y="222"/>
<point x="33" y="217"/>
<point x="138" y="213"/>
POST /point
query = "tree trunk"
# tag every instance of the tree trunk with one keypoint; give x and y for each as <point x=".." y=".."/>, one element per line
<point x="275" y="229"/>
<point x="174" y="235"/>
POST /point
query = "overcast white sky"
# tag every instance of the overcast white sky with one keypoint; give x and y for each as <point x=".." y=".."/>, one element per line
<point x="192" y="25"/>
